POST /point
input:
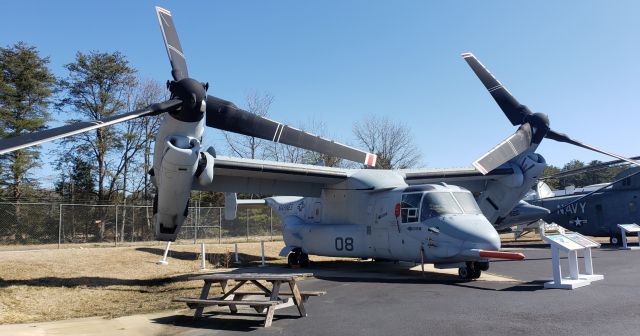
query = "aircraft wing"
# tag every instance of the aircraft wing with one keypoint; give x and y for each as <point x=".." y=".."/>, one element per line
<point x="272" y="178"/>
<point x="280" y="178"/>
<point x="468" y="177"/>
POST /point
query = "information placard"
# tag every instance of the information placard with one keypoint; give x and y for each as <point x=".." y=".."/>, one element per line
<point x="582" y="240"/>
<point x="564" y="242"/>
<point x="630" y="227"/>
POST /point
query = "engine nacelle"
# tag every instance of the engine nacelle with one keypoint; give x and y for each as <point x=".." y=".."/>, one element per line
<point x="174" y="180"/>
<point x="501" y="196"/>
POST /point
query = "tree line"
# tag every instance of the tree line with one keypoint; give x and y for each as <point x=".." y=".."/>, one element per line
<point x="586" y="176"/>
<point x="110" y="164"/>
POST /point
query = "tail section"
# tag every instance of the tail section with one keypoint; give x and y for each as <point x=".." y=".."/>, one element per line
<point x="287" y="205"/>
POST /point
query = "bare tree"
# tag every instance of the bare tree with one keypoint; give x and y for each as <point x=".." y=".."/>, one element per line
<point x="97" y="86"/>
<point x="247" y="146"/>
<point x="137" y="138"/>
<point x="391" y="141"/>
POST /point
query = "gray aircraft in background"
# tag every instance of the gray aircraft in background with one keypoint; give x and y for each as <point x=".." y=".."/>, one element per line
<point x="593" y="210"/>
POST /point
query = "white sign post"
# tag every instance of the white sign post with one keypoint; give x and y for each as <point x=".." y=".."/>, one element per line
<point x="587" y="243"/>
<point x="571" y="247"/>
<point x="629" y="228"/>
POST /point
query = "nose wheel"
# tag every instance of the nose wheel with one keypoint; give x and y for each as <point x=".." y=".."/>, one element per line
<point x="472" y="270"/>
<point x="298" y="259"/>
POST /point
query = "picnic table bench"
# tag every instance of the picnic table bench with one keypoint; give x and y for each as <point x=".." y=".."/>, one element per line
<point x="267" y="299"/>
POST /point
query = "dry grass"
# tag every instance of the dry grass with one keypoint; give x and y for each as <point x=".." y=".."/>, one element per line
<point x="54" y="284"/>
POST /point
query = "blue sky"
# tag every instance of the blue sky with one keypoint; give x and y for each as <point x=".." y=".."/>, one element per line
<point x="338" y="61"/>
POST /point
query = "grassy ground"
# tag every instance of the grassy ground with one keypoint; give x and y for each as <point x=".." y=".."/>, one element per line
<point x="55" y="284"/>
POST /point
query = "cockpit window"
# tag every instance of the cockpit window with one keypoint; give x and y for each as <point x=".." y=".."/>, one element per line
<point x="437" y="204"/>
<point x="468" y="203"/>
<point x="410" y="206"/>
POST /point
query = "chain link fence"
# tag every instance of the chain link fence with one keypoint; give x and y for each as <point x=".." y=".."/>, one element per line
<point x="61" y="223"/>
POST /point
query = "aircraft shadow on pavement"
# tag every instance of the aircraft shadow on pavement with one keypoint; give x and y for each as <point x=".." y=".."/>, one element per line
<point x="530" y="286"/>
<point x="385" y="272"/>
<point x="221" y="320"/>
<point x="389" y="272"/>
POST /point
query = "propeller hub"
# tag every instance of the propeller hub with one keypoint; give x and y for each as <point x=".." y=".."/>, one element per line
<point x="193" y="95"/>
<point x="539" y="125"/>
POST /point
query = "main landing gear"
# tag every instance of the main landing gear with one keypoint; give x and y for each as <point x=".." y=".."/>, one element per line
<point x="615" y="240"/>
<point x="472" y="270"/>
<point x="298" y="259"/>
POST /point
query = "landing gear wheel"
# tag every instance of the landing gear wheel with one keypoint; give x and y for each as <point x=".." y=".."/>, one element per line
<point x="471" y="271"/>
<point x="304" y="260"/>
<point x="615" y="240"/>
<point x="297" y="259"/>
<point x="293" y="260"/>
<point x="463" y="273"/>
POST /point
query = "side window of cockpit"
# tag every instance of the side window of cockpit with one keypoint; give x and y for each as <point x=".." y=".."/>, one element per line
<point x="438" y="203"/>
<point x="409" y="208"/>
<point x="467" y="202"/>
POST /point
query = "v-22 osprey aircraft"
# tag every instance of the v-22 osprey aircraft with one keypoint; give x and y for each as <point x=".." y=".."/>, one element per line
<point x="440" y="216"/>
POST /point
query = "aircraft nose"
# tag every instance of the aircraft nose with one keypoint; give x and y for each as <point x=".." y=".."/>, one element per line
<point x="485" y="237"/>
<point x="476" y="232"/>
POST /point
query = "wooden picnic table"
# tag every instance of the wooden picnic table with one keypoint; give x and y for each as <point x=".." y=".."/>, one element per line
<point x="269" y="297"/>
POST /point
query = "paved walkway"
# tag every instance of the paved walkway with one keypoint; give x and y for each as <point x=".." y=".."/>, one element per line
<point x="143" y="325"/>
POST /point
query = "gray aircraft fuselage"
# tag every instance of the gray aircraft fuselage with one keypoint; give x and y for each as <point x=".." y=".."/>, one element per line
<point x="598" y="214"/>
<point x="434" y="223"/>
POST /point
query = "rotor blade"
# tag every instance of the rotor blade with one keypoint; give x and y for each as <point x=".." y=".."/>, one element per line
<point x="36" y="138"/>
<point x="561" y="137"/>
<point x="171" y="41"/>
<point x="515" y="111"/>
<point x="224" y="115"/>
<point x="513" y="146"/>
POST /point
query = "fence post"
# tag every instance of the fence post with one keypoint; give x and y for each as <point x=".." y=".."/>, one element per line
<point x="270" y="224"/>
<point x="219" y="225"/>
<point x="60" y="228"/>
<point x="262" y="248"/>
<point x="203" y="266"/>
<point x="116" y="240"/>
<point x="247" y="214"/>
<point x="195" y="224"/>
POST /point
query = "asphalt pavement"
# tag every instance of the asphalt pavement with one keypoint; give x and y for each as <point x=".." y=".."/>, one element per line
<point x="390" y="302"/>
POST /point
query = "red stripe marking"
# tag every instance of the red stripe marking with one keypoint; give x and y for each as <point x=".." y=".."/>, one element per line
<point x="370" y="160"/>
<point x="502" y="255"/>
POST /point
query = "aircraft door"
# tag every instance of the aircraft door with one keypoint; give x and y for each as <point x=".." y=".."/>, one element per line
<point x="379" y="240"/>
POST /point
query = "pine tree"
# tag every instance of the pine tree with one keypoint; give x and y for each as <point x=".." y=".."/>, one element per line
<point x="26" y="87"/>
